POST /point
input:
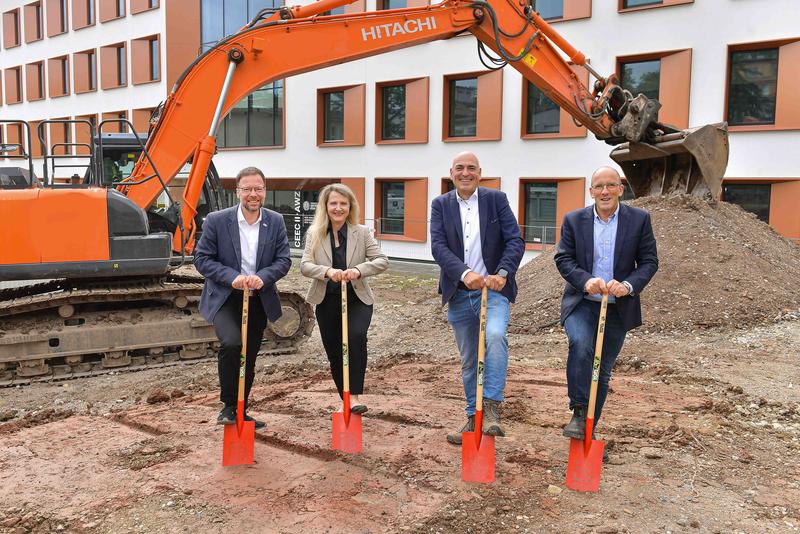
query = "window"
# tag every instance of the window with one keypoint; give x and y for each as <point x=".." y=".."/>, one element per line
<point x="539" y="225"/>
<point x="13" y="78"/>
<point x="473" y="106"/>
<point x="113" y="66"/>
<point x="85" y="128"/>
<point x="401" y="111"/>
<point x="84" y="73"/>
<point x="83" y="14"/>
<point x="57" y="21"/>
<point x="120" y="8"/>
<point x="11" y="33"/>
<point x="392" y="208"/>
<point x="463" y="108"/>
<point x="145" y="60"/>
<point x="115" y="127"/>
<point x="33" y="22"/>
<point x="550" y="9"/>
<point x="638" y="3"/>
<point x="34" y="81"/>
<point x="393" y="112"/>
<point x="333" y="111"/>
<point x="58" y="76"/>
<point x="256" y="120"/>
<point x="391" y="4"/>
<point x="754" y="198"/>
<point x="338" y="11"/>
<point x="753" y="85"/>
<point x="543" y="115"/>
<point x="340" y="116"/>
<point x="664" y="76"/>
<point x="642" y="77"/>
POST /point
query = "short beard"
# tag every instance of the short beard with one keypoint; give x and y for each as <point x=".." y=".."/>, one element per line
<point x="247" y="208"/>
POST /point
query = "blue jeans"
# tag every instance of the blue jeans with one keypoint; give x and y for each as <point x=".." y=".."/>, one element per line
<point x="463" y="314"/>
<point x="581" y="327"/>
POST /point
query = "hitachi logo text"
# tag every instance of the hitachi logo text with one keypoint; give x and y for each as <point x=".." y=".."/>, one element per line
<point x="392" y="29"/>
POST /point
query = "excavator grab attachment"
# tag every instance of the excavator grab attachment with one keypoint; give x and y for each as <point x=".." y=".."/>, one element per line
<point x="691" y="161"/>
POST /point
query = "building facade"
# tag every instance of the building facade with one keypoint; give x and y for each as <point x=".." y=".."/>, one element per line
<point x="389" y="125"/>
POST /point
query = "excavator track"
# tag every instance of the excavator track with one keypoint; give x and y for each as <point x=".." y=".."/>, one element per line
<point x="59" y="330"/>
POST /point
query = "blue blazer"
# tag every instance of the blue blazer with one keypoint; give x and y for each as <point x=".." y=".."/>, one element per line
<point x="635" y="258"/>
<point x="218" y="257"/>
<point x="501" y="244"/>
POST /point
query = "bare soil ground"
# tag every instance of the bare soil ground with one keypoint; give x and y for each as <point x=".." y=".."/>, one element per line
<point x="703" y="427"/>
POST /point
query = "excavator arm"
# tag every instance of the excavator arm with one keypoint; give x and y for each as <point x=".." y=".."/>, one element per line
<point x="296" y="40"/>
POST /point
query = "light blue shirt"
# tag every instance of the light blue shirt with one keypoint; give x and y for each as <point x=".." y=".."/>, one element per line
<point x="605" y="237"/>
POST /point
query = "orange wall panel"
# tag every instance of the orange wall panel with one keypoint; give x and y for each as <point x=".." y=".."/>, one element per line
<point x="14" y="135"/>
<point x="141" y="120"/>
<point x="577" y="9"/>
<point x="674" y="88"/>
<point x="114" y="127"/>
<point x="490" y="106"/>
<point x="787" y="112"/>
<point x="182" y="36"/>
<point x="83" y="133"/>
<point x="417" y="110"/>
<point x="569" y="196"/>
<point x="53" y="14"/>
<point x="140" y="61"/>
<point x="354" y="115"/>
<point x="30" y="13"/>
<point x="13" y="85"/>
<point x="57" y="68"/>
<point x="34" y="85"/>
<point x="80" y="14"/>
<point x="415" y="210"/>
<point x="138" y="6"/>
<point x="784" y="216"/>
<point x="108" y="10"/>
<point x="11" y="29"/>
<point x="356" y="7"/>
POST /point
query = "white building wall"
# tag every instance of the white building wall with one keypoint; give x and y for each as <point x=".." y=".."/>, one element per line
<point x="705" y="26"/>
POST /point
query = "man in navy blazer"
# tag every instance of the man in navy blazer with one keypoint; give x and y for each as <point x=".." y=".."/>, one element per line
<point x="243" y="248"/>
<point x="475" y="240"/>
<point x="607" y="247"/>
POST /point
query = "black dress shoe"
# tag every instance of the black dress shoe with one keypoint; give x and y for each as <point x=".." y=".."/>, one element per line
<point x="576" y="428"/>
<point x="227" y="416"/>
<point x="258" y="424"/>
<point x="358" y="409"/>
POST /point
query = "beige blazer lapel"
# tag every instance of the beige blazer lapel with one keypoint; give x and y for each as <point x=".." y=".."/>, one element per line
<point x="352" y="235"/>
<point x="326" y="248"/>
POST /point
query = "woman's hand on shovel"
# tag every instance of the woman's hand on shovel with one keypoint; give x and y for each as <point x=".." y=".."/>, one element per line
<point x="334" y="274"/>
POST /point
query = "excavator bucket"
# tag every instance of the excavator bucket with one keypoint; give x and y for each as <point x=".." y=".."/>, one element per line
<point x="689" y="161"/>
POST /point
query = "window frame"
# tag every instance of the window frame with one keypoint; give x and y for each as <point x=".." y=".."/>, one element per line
<point x="664" y="3"/>
<point x="36" y="11"/>
<point x="489" y="106"/>
<point x="40" y="76"/>
<point x="415" y="214"/>
<point x="354" y="115"/>
<point x="417" y="111"/>
<point x="570" y="195"/>
<point x="222" y="134"/>
<point x="12" y="18"/>
<point x="568" y="129"/>
<point x="328" y="117"/>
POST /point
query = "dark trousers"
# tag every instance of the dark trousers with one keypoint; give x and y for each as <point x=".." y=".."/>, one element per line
<point x="581" y="327"/>
<point x="329" y="319"/>
<point x="228" y="324"/>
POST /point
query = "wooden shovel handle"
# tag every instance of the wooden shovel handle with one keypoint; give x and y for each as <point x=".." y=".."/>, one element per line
<point x="598" y="354"/>
<point x="481" y="351"/>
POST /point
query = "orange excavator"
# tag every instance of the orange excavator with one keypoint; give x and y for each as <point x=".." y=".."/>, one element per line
<point x="115" y="299"/>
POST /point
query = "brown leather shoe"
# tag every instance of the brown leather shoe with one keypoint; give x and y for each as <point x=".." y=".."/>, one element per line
<point x="455" y="439"/>
<point x="491" y="418"/>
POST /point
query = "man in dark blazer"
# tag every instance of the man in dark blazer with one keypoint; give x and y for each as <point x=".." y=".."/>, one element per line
<point x="607" y="247"/>
<point x="475" y="240"/>
<point x="243" y="249"/>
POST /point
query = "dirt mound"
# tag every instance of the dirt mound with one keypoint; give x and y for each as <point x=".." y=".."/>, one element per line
<point x="719" y="266"/>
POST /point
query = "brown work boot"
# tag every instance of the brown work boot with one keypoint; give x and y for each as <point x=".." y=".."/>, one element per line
<point x="455" y="439"/>
<point x="491" y="418"/>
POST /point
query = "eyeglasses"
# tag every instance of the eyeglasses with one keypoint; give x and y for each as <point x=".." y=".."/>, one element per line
<point x="248" y="190"/>
<point x="599" y="187"/>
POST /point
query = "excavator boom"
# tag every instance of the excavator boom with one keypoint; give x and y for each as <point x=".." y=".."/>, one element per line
<point x="287" y="42"/>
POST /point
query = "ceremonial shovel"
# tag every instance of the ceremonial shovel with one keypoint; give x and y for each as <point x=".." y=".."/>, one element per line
<point x="477" y="455"/>
<point x="346" y="432"/>
<point x="239" y="439"/>
<point x="586" y="455"/>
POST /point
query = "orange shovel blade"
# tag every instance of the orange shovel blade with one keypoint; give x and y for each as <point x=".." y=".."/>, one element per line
<point x="584" y="465"/>
<point x="346" y="438"/>
<point x="237" y="446"/>
<point x="477" y="457"/>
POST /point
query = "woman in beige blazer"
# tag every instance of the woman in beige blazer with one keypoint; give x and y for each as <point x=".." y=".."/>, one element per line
<point x="338" y="248"/>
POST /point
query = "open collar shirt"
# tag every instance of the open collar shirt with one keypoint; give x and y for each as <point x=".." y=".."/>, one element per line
<point x="248" y="239"/>
<point x="605" y="238"/>
<point x="471" y="230"/>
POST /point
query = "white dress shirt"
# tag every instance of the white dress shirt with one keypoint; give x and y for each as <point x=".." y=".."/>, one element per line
<point x="248" y="239"/>
<point x="471" y="230"/>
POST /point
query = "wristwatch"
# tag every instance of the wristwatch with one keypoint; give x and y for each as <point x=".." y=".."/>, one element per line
<point x="503" y="273"/>
<point x="629" y="286"/>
